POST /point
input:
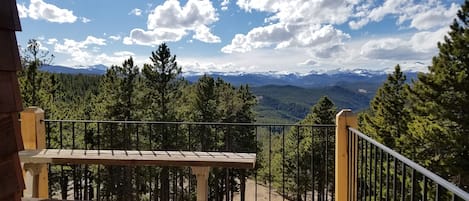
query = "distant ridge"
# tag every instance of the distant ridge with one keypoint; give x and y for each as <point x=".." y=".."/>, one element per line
<point x="89" y="70"/>
<point x="306" y="80"/>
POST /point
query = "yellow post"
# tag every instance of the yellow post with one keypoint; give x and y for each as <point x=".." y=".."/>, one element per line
<point x="344" y="119"/>
<point x="33" y="131"/>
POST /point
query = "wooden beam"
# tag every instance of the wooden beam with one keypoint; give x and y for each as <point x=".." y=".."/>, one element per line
<point x="344" y="120"/>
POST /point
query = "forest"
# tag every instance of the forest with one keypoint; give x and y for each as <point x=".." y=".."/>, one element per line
<point x="426" y="120"/>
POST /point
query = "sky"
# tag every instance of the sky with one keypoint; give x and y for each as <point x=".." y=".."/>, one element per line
<point x="298" y="36"/>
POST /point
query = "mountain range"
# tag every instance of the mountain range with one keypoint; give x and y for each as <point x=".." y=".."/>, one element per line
<point x="307" y="80"/>
<point x="286" y="97"/>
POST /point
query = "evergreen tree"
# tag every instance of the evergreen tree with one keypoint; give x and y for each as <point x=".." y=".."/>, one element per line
<point x="37" y="88"/>
<point x="116" y="101"/>
<point x="440" y="113"/>
<point x="162" y="78"/>
<point x="387" y="118"/>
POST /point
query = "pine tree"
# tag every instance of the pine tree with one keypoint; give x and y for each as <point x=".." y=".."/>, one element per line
<point x="116" y="101"/>
<point x="388" y="115"/>
<point x="440" y="113"/>
<point x="162" y="78"/>
<point x="37" y="88"/>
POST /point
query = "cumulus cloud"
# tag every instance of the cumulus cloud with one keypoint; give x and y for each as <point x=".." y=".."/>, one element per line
<point x="203" y="34"/>
<point x="284" y="35"/>
<point x="171" y="21"/>
<point x="153" y="37"/>
<point x="51" y="41"/>
<point x="40" y="10"/>
<point x="434" y="17"/>
<point x="295" y="23"/>
<point x="22" y="10"/>
<point x="136" y="12"/>
<point x="79" y="50"/>
<point x="416" y="47"/>
<point x="422" y="15"/>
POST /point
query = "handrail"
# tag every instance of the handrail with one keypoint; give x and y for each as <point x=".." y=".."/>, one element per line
<point x="187" y="122"/>
<point x="448" y="185"/>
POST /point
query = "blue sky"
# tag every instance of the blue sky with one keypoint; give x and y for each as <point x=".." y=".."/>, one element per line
<point x="242" y="35"/>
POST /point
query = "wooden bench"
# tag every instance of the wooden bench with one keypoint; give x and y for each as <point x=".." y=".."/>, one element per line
<point x="200" y="162"/>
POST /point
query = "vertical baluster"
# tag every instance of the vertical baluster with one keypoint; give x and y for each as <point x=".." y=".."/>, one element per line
<point x="365" y="189"/>
<point x="283" y="162"/>
<point x="298" y="163"/>
<point x="394" y="187"/>
<point x="437" y="192"/>
<point x="412" y="190"/>
<point x="375" y="171"/>
<point x="388" y="172"/>
<point x="403" y="189"/>
<point x="326" y="163"/>
<point x="380" y="174"/>
<point x="270" y="163"/>
<point x="362" y="169"/>
<point x="370" y="172"/>
<point x="98" y="185"/>
<point x="255" y="173"/>
<point x="312" y="164"/>
<point x="424" y="192"/>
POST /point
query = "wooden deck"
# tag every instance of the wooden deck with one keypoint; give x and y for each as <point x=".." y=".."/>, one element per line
<point x="139" y="158"/>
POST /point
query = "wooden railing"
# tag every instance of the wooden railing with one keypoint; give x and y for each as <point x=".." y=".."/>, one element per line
<point x="35" y="158"/>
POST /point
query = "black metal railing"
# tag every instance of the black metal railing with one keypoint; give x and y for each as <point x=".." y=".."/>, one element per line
<point x="295" y="162"/>
<point x="377" y="172"/>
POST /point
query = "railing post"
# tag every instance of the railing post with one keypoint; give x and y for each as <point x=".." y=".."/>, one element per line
<point x="344" y="119"/>
<point x="33" y="131"/>
<point x="201" y="174"/>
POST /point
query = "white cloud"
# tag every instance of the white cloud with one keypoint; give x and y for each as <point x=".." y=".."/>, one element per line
<point x="85" y="20"/>
<point x="224" y="4"/>
<point x="294" y="23"/>
<point x="203" y="34"/>
<point x="434" y="17"/>
<point x="284" y="35"/>
<point x="79" y="50"/>
<point x="22" y="10"/>
<point x="309" y="62"/>
<point x="51" y="41"/>
<point x="124" y="54"/>
<point x="300" y="11"/>
<point x="415" y="48"/>
<point x="38" y="9"/>
<point x="136" y="12"/>
<point x="422" y="15"/>
<point x="171" y="21"/>
<point x="115" y="37"/>
<point x="153" y="37"/>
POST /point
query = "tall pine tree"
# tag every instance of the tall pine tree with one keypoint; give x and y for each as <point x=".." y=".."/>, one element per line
<point x="162" y="78"/>
<point x="440" y="114"/>
<point x="387" y="118"/>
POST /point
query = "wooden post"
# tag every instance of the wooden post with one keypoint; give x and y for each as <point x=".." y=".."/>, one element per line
<point x="201" y="174"/>
<point x="344" y="120"/>
<point x="33" y="131"/>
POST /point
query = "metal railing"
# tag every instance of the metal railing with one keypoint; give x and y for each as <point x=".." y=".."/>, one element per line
<point x="380" y="173"/>
<point x="295" y="162"/>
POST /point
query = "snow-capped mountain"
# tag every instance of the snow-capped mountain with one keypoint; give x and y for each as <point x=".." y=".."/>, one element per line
<point x="311" y="79"/>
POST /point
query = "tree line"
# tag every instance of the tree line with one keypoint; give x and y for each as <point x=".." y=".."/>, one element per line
<point x="428" y="119"/>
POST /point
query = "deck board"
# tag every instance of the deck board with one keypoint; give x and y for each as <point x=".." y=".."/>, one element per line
<point x="139" y="158"/>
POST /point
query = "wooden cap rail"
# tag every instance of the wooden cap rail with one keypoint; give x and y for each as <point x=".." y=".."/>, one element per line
<point x="139" y="158"/>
